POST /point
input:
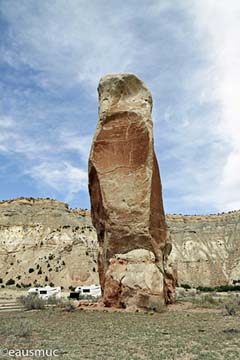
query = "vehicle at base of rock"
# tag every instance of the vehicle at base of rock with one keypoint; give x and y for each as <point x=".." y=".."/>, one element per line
<point x="85" y="291"/>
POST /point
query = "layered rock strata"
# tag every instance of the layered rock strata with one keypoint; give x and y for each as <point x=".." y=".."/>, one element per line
<point x="206" y="249"/>
<point x="43" y="242"/>
<point x="125" y="191"/>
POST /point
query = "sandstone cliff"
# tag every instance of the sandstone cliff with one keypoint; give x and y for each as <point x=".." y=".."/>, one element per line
<point x="206" y="249"/>
<point x="43" y="241"/>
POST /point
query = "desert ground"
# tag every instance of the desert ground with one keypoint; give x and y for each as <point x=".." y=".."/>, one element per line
<point x="204" y="327"/>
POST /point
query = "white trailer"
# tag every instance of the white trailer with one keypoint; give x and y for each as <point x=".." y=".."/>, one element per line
<point x="92" y="290"/>
<point x="46" y="292"/>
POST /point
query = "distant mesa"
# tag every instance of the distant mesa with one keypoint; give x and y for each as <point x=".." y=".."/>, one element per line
<point x="60" y="246"/>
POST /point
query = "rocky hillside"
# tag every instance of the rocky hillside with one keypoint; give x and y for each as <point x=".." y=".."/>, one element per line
<point x="206" y="249"/>
<point x="42" y="241"/>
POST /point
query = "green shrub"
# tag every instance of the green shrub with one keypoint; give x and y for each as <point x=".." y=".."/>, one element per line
<point x="32" y="302"/>
<point x="206" y="301"/>
<point x="220" y="288"/>
<point x="205" y="288"/>
<point x="10" y="282"/>
<point x="52" y="300"/>
<point x="230" y="309"/>
<point x="156" y="306"/>
<point x="185" y="286"/>
<point x="69" y="307"/>
<point x="209" y="299"/>
<point x="89" y="297"/>
<point x="224" y="288"/>
<point x="26" y="285"/>
<point x="25" y="330"/>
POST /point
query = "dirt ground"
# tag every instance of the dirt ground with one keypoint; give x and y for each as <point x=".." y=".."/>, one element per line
<point x="186" y="331"/>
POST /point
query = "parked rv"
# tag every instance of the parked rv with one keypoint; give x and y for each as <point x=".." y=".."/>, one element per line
<point x="46" y="292"/>
<point x="85" y="291"/>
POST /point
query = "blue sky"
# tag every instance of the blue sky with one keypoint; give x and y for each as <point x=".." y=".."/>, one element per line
<point x="52" y="55"/>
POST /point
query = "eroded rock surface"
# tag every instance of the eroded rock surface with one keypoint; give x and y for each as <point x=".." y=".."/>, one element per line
<point x="43" y="242"/>
<point x="125" y="190"/>
<point x="60" y="245"/>
<point x="206" y="249"/>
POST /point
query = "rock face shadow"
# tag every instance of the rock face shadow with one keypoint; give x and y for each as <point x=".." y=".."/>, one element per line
<point x="126" y="197"/>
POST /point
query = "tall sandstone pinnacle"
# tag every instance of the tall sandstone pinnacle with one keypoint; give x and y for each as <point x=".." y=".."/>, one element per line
<point x="126" y="198"/>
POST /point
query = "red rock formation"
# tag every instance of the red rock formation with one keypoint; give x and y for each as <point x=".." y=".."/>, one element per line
<point x="125" y="186"/>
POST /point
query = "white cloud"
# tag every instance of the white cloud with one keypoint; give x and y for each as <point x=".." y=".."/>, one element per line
<point x="13" y="141"/>
<point x="7" y="133"/>
<point x="52" y="169"/>
<point x="72" y="141"/>
<point x="193" y="70"/>
<point x="62" y="177"/>
<point x="69" y="42"/>
<point x="45" y="162"/>
<point x="6" y="122"/>
<point x="217" y="23"/>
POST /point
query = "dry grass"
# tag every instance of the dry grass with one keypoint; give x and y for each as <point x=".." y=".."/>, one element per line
<point x="98" y="335"/>
<point x="31" y="302"/>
